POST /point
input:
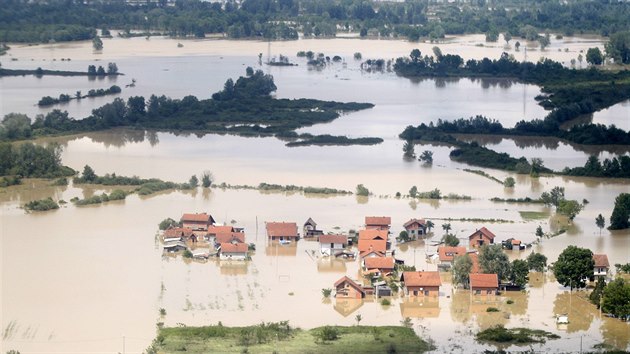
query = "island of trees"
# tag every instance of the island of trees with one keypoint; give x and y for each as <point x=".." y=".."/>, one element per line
<point x="244" y="107"/>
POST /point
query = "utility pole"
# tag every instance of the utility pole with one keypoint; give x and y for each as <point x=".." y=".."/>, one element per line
<point x="123" y="344"/>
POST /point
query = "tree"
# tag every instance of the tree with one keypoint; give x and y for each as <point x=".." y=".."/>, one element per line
<point x="249" y="71"/>
<point x="438" y="53"/>
<point x="112" y="69"/>
<point x="430" y="225"/>
<point x="403" y="236"/>
<point x="600" y="221"/>
<point x="554" y="197"/>
<point x="326" y="292"/>
<point x="413" y="191"/>
<point x="167" y="223"/>
<point x="536" y="167"/>
<point x="362" y="191"/>
<point x="621" y="213"/>
<point x="97" y="43"/>
<point x="408" y="149"/>
<point x="493" y="260"/>
<point x="517" y="45"/>
<point x="450" y="240"/>
<point x="580" y="59"/>
<point x="357" y="56"/>
<point x="88" y="174"/>
<point x="519" y="272"/>
<point x="193" y="181"/>
<point x="446" y="227"/>
<point x="15" y="126"/>
<point x="570" y="208"/>
<point x="492" y="35"/>
<point x="91" y="70"/>
<point x="537" y="262"/>
<point x="574" y="266"/>
<point x="507" y="36"/>
<point x="539" y="231"/>
<point x="616" y="298"/>
<point x="544" y="41"/>
<point x="461" y="270"/>
<point x="594" y="56"/>
<point x="426" y="157"/>
<point x="509" y="182"/>
<point x="596" y="295"/>
<point x="206" y="179"/>
<point x="100" y="71"/>
<point x="415" y="55"/>
<point x="358" y="318"/>
<point x="618" y="47"/>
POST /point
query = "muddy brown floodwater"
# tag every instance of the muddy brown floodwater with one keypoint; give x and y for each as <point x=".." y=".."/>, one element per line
<point x="90" y="279"/>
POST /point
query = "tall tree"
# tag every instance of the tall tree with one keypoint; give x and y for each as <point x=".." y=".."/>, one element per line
<point x="537" y="262"/>
<point x="621" y="213"/>
<point x="594" y="56"/>
<point x="461" y="270"/>
<point x="519" y="273"/>
<point x="446" y="227"/>
<point x="492" y="259"/>
<point x="618" y="47"/>
<point x="600" y="221"/>
<point x="574" y="267"/>
<point x="616" y="298"/>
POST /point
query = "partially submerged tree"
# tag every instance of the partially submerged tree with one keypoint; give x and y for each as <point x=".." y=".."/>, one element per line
<point x="493" y="260"/>
<point x="574" y="267"/>
<point x="537" y="262"/>
<point x="461" y="271"/>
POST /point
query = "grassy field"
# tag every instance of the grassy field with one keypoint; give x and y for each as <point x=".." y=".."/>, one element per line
<point x="533" y="215"/>
<point x="280" y="338"/>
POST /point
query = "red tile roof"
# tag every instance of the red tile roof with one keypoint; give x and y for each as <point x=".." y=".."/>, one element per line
<point x="281" y="229"/>
<point x="201" y="217"/>
<point x="233" y="248"/>
<point x="516" y="242"/>
<point x="178" y="232"/>
<point x="371" y="234"/>
<point x="448" y="253"/>
<point x="374" y="245"/>
<point x="485" y="232"/>
<point x="214" y="229"/>
<point x="601" y="260"/>
<point x="366" y="253"/>
<point x="350" y="282"/>
<point x="378" y="220"/>
<point x="379" y="263"/>
<point x="484" y="281"/>
<point x="414" y="221"/>
<point x="333" y="239"/>
<point x="421" y="279"/>
<point x="229" y="237"/>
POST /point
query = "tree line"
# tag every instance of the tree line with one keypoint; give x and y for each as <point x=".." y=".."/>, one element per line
<point x="30" y="160"/>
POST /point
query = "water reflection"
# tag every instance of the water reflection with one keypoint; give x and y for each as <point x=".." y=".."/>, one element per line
<point x="330" y="264"/>
<point x="581" y="313"/>
<point x="276" y="249"/>
<point x="346" y="307"/>
<point x="420" y="308"/>
<point x="615" y="333"/>
<point x="233" y="267"/>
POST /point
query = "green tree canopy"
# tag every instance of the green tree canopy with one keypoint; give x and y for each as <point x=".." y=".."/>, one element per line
<point x="594" y="56"/>
<point x="461" y="270"/>
<point x="618" y="47"/>
<point x="616" y="298"/>
<point x="574" y="267"/>
<point x="519" y="272"/>
<point x="620" y="218"/>
<point x="492" y="260"/>
<point x="537" y="261"/>
<point x="450" y="240"/>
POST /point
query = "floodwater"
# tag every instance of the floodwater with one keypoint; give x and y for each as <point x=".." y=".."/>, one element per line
<point x="92" y="279"/>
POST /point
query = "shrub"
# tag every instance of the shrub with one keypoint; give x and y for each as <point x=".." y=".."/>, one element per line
<point x="328" y="333"/>
<point x="492" y="309"/>
<point x="386" y="302"/>
<point x="188" y="254"/>
<point x="326" y="292"/>
<point x="41" y="205"/>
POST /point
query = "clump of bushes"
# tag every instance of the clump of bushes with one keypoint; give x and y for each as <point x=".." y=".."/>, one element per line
<point x="41" y="205"/>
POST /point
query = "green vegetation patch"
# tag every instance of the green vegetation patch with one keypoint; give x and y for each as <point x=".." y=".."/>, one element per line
<point x="500" y="334"/>
<point x="280" y="337"/>
<point x="41" y="205"/>
<point x="533" y="215"/>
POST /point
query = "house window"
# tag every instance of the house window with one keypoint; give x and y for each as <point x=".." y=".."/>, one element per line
<point x="426" y="293"/>
<point x="415" y="293"/>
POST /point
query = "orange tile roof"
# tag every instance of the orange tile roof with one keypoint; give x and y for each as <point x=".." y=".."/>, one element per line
<point x="474" y="257"/>
<point x="374" y="245"/>
<point x="378" y="220"/>
<point x="485" y="232"/>
<point x="214" y="229"/>
<point x="333" y="239"/>
<point x="233" y="248"/>
<point x="484" y="281"/>
<point x="516" y="242"/>
<point x="414" y="221"/>
<point x="371" y="234"/>
<point x="350" y="282"/>
<point x="200" y="217"/>
<point x="178" y="232"/>
<point x="377" y="253"/>
<point x="601" y="260"/>
<point x="379" y="263"/>
<point x="448" y="253"/>
<point x="229" y="237"/>
<point x="281" y="229"/>
<point x="421" y="279"/>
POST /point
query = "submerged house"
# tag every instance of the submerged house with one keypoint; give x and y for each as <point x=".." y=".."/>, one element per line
<point x="372" y="248"/>
<point x="310" y="228"/>
<point x="447" y="254"/>
<point x="348" y="289"/>
<point x="282" y="231"/>
<point x="213" y="230"/>
<point x="484" y="284"/>
<point x="421" y="283"/>
<point x="481" y="237"/>
<point x="200" y="221"/>
<point x="378" y="265"/>
<point x="175" y="246"/>
<point x="331" y="244"/>
<point x="233" y="251"/>
<point x="378" y="222"/>
<point x="179" y="234"/>
<point x="229" y="237"/>
<point x="416" y="227"/>
<point x="601" y="266"/>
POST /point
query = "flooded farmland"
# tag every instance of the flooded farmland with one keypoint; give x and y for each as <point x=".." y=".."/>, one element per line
<point x="93" y="278"/>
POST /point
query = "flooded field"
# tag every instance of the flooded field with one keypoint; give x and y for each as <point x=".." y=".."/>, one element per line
<point x="93" y="279"/>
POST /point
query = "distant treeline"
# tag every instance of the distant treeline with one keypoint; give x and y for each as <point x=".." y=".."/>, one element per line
<point x="112" y="70"/>
<point x="243" y="107"/>
<point x="30" y="160"/>
<point x="60" y="20"/>
<point x="49" y="101"/>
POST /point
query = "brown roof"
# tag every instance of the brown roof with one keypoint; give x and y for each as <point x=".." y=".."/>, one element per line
<point x="485" y="232"/>
<point x="281" y="229"/>
<point x="484" y="281"/>
<point x="371" y="234"/>
<point x="374" y="245"/>
<point x="350" y="282"/>
<point x="421" y="279"/>
<point x="414" y="221"/>
<point x="448" y="253"/>
<point x="474" y="257"/>
<point x="214" y="229"/>
<point x="379" y="263"/>
<point x="333" y="239"/>
<point x="601" y="260"/>
<point x="200" y="217"/>
<point x="233" y="248"/>
<point x="378" y="220"/>
<point x="229" y="237"/>
<point x="516" y="242"/>
<point x="178" y="232"/>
